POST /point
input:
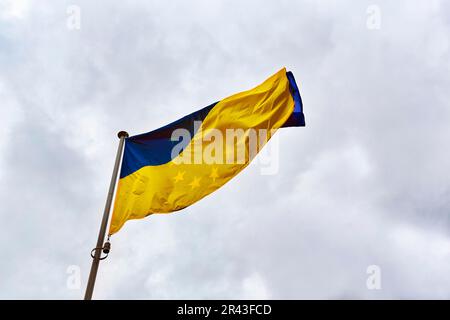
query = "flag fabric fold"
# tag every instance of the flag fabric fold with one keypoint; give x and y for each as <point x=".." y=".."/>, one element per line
<point x="170" y="168"/>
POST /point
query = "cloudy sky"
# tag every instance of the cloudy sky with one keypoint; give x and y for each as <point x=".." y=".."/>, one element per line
<point x="365" y="183"/>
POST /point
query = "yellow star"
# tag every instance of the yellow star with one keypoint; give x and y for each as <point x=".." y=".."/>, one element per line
<point x="179" y="176"/>
<point x="214" y="174"/>
<point x="195" y="183"/>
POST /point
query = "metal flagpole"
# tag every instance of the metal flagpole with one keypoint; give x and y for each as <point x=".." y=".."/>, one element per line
<point x="101" y="235"/>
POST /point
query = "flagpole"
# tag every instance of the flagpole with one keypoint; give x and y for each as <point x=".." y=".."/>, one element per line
<point x="101" y="235"/>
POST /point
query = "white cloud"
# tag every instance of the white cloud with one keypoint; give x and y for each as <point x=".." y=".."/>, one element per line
<point x="255" y="288"/>
<point x="14" y="9"/>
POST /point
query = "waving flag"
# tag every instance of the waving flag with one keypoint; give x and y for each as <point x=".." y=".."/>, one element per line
<point x="170" y="168"/>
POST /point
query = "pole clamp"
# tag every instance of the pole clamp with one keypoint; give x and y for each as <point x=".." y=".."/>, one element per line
<point x="105" y="249"/>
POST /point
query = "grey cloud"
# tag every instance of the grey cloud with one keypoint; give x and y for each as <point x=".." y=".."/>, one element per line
<point x="365" y="182"/>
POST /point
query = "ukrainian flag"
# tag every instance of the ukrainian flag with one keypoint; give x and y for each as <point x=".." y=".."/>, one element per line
<point x="170" y="168"/>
